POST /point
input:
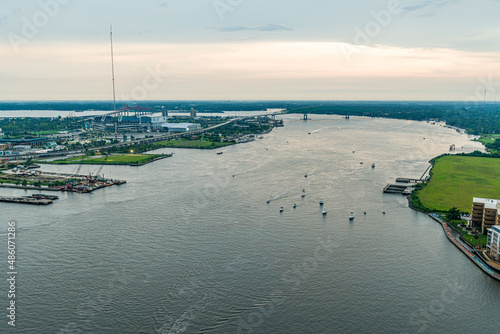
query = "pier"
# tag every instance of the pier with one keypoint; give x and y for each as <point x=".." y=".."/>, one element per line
<point x="398" y="189"/>
<point x="26" y="200"/>
<point x="408" y="180"/>
<point x="50" y="181"/>
<point x="406" y="185"/>
<point x="43" y="196"/>
<point x="422" y="179"/>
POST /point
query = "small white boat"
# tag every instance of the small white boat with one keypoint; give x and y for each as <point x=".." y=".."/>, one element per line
<point x="321" y="201"/>
<point x="323" y="211"/>
<point x="281" y="209"/>
<point x="351" y="216"/>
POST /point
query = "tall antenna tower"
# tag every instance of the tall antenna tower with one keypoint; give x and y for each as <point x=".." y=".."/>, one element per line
<point x="113" y="78"/>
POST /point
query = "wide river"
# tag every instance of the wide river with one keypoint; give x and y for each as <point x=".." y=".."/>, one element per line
<point x="186" y="247"/>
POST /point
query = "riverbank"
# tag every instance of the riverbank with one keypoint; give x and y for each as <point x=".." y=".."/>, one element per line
<point x="51" y="181"/>
<point x="473" y="257"/>
<point x="454" y="181"/>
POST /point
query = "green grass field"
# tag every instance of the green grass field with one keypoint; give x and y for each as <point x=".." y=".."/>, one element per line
<point x="476" y="242"/>
<point x="45" y="133"/>
<point x="118" y="159"/>
<point x="457" y="179"/>
<point x="488" y="139"/>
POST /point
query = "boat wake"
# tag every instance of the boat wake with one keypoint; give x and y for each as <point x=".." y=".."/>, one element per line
<point x="321" y="129"/>
<point x="281" y="196"/>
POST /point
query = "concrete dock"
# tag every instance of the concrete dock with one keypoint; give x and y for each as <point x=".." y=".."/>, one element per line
<point x="402" y="189"/>
<point x="26" y="200"/>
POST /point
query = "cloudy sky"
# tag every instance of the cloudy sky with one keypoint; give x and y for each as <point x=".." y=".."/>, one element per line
<point x="250" y="49"/>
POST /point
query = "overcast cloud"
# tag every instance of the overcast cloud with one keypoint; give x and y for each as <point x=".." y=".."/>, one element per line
<point x="249" y="49"/>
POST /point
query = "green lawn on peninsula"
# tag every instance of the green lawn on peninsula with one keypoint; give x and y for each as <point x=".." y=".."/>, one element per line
<point x="457" y="179"/>
<point x="115" y="159"/>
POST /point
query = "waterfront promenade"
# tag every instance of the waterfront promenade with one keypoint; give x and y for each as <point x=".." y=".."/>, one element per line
<point x="480" y="263"/>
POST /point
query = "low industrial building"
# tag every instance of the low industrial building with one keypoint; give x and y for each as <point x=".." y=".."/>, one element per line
<point x="485" y="213"/>
<point x="52" y="146"/>
<point x="180" y="127"/>
<point x="493" y="243"/>
<point x="131" y="119"/>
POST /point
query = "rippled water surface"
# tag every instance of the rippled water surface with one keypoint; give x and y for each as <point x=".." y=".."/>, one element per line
<point x="186" y="247"/>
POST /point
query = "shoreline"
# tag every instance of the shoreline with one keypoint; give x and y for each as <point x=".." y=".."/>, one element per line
<point x="472" y="253"/>
<point x="164" y="156"/>
<point x="474" y="258"/>
<point x="15" y="186"/>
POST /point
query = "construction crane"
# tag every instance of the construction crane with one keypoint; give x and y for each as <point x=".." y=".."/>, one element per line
<point x="79" y="167"/>
<point x="96" y="175"/>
